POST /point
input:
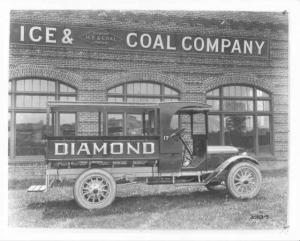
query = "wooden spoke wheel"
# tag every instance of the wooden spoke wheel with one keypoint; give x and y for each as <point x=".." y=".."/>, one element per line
<point x="244" y="180"/>
<point x="95" y="189"/>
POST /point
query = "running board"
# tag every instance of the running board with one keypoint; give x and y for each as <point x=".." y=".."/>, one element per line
<point x="37" y="188"/>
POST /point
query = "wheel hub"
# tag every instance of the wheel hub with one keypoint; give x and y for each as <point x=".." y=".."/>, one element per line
<point x="95" y="189"/>
<point x="245" y="181"/>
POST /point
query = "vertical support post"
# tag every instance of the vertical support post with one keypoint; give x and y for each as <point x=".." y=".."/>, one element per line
<point x="192" y="124"/>
<point x="206" y="137"/>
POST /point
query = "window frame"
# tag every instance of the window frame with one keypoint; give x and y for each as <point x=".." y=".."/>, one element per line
<point x="13" y="109"/>
<point x="255" y="113"/>
<point x="124" y="95"/>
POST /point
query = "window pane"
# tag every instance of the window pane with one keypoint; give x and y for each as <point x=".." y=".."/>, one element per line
<point x="156" y="89"/>
<point x="171" y="99"/>
<point x="65" y="88"/>
<point x="263" y="105"/>
<point x="144" y="89"/>
<point x="238" y="131"/>
<point x="260" y="93"/>
<point x="174" y="125"/>
<point x="150" y="100"/>
<point x="238" y="105"/>
<point x="238" y="91"/>
<point x="119" y="89"/>
<point x="27" y="100"/>
<point x="215" y="92"/>
<point x="9" y="127"/>
<point x="150" y="89"/>
<point x="36" y="100"/>
<point x="67" y="123"/>
<point x="9" y="86"/>
<point x="28" y="85"/>
<point x="67" y="98"/>
<point x="149" y="122"/>
<point x="214" y="133"/>
<point x="30" y="129"/>
<point x="115" y="99"/>
<point x="20" y="85"/>
<point x="137" y="88"/>
<point x="169" y="91"/>
<point x="134" y="124"/>
<point x="36" y="85"/>
<point x="130" y="88"/>
<point x="264" y="139"/>
<point x="9" y="101"/>
<point x="44" y="85"/>
<point x="115" y="124"/>
<point x="20" y="100"/>
<point x="133" y="100"/>
<point x="51" y="86"/>
<point x="214" y="103"/>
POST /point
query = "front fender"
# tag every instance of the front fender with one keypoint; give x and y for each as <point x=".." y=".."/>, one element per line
<point x="228" y="163"/>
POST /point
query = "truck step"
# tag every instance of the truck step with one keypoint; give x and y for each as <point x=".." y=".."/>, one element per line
<point x="37" y="188"/>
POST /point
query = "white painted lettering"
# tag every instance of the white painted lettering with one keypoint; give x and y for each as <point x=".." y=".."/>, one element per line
<point x="116" y="148"/>
<point x="64" y="147"/>
<point x="22" y="30"/>
<point x="212" y="47"/>
<point x="158" y="42"/>
<point x="248" y="46"/>
<point x="149" y="144"/>
<point x="169" y="47"/>
<point x="196" y="46"/>
<point x="50" y="34"/>
<point x="259" y="46"/>
<point x="83" y="148"/>
<point x="31" y="34"/>
<point x="145" y="40"/>
<point x="184" y="46"/>
<point x="225" y="44"/>
<point x="103" y="148"/>
<point x="236" y="47"/>
<point x="72" y="148"/>
<point x="128" y="40"/>
<point x="135" y="150"/>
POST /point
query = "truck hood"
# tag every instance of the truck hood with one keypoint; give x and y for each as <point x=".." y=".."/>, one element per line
<point x="222" y="150"/>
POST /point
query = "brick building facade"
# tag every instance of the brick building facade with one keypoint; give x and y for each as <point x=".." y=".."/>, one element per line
<point x="253" y="88"/>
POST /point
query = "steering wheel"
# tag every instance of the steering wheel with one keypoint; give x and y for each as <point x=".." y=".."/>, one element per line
<point x="177" y="133"/>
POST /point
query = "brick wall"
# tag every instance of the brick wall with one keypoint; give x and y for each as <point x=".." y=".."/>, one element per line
<point x="94" y="71"/>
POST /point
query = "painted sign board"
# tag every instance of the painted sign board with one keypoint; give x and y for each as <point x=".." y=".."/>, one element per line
<point x="102" y="149"/>
<point x="132" y="40"/>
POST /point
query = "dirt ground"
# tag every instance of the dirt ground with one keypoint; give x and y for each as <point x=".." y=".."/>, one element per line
<point x="140" y="206"/>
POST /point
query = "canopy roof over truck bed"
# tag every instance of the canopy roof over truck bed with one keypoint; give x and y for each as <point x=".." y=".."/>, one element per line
<point x="88" y="106"/>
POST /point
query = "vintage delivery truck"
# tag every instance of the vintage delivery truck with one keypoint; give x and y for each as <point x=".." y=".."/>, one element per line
<point x="162" y="143"/>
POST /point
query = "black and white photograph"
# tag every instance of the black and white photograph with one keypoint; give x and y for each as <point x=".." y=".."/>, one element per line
<point x="148" y="119"/>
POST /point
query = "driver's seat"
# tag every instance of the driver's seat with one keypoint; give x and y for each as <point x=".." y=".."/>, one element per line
<point x="196" y="155"/>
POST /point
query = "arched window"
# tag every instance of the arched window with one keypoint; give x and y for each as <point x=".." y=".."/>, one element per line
<point x="27" y="113"/>
<point x="142" y="92"/>
<point x="241" y="116"/>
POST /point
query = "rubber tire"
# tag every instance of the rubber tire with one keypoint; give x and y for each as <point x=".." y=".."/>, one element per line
<point x="99" y="172"/>
<point x="230" y="177"/>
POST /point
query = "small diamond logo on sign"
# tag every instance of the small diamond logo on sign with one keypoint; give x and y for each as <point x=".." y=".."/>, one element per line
<point x="101" y="37"/>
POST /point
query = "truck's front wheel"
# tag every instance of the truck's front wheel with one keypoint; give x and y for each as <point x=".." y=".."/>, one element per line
<point x="244" y="180"/>
<point x="95" y="189"/>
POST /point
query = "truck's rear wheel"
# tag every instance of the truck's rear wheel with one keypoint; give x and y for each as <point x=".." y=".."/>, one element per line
<point x="244" y="180"/>
<point x="95" y="189"/>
